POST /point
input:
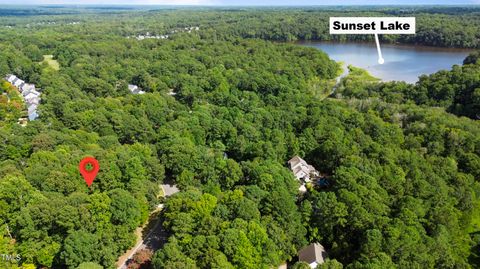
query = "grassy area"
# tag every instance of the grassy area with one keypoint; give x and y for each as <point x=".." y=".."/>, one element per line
<point x="361" y="74"/>
<point x="356" y="83"/>
<point x="341" y="70"/>
<point x="161" y="193"/>
<point x="51" y="62"/>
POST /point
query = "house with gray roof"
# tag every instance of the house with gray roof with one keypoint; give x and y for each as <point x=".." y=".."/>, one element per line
<point x="27" y="87"/>
<point x="33" y="116"/>
<point x="302" y="170"/>
<point x="313" y="254"/>
<point x="11" y="78"/>
<point x="17" y="82"/>
<point x="30" y="95"/>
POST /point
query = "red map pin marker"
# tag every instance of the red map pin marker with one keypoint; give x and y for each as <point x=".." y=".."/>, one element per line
<point x="89" y="169"/>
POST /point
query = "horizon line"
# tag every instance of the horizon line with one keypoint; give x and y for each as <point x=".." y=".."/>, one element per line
<point x="240" y="5"/>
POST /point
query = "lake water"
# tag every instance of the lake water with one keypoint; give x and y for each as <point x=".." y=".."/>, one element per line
<point x="402" y="62"/>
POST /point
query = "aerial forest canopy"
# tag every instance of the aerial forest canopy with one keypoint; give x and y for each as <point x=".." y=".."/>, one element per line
<point x="224" y="109"/>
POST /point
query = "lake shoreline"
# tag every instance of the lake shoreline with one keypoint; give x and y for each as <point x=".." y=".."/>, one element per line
<point x="385" y="44"/>
<point x="402" y="62"/>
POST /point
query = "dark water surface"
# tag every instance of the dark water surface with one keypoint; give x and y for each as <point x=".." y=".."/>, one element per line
<point x="402" y="62"/>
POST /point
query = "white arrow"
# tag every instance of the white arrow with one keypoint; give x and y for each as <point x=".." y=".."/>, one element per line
<point x="380" y="58"/>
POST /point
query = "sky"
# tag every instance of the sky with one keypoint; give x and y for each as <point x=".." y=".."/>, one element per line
<point x="243" y="2"/>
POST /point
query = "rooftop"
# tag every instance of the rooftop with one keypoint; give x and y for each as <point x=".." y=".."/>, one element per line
<point x="313" y="253"/>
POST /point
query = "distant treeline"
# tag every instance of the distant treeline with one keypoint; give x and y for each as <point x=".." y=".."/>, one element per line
<point x="24" y="11"/>
<point x="456" y="27"/>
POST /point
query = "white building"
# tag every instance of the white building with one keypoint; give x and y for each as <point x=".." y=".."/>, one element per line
<point x="135" y="89"/>
<point x="17" y="82"/>
<point x="33" y="116"/>
<point x="31" y="109"/>
<point x="302" y="170"/>
<point x="11" y="78"/>
<point x="30" y="95"/>
<point x="172" y="92"/>
<point x="27" y="87"/>
<point x="148" y="36"/>
<point x="33" y="102"/>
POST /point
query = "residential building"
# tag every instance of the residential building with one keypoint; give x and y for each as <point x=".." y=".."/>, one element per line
<point x="32" y="109"/>
<point x="30" y="95"/>
<point x="302" y="170"/>
<point x="27" y="87"/>
<point x="313" y="254"/>
<point x="135" y="89"/>
<point x="33" y="101"/>
<point x="17" y="82"/>
<point x="33" y="115"/>
<point x="11" y="78"/>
